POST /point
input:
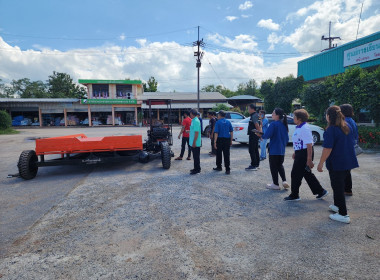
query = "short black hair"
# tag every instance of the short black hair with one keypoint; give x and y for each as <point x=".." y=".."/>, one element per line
<point x="347" y="110"/>
<point x="194" y="112"/>
<point x="186" y="113"/>
<point x="222" y="113"/>
<point x="211" y="113"/>
<point x="252" y="106"/>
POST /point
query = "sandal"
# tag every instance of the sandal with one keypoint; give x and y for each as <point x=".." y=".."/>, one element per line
<point x="189" y="158"/>
<point x="178" y="158"/>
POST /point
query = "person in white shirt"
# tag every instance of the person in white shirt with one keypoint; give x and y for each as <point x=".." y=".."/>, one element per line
<point x="303" y="159"/>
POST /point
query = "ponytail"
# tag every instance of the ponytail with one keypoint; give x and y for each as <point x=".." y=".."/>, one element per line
<point x="336" y="118"/>
<point x="282" y="116"/>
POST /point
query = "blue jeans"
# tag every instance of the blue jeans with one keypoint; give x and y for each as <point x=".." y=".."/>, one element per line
<point x="263" y="147"/>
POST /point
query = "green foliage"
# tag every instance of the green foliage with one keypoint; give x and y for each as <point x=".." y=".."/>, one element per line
<point x="219" y="107"/>
<point x="316" y="98"/>
<point x="5" y="120"/>
<point x="8" y="131"/>
<point x="219" y="88"/>
<point x="369" y="137"/>
<point x="281" y="93"/>
<point x="5" y="90"/>
<point x="150" y="85"/>
<point x="236" y="109"/>
<point x="248" y="88"/>
<point x="61" y="85"/>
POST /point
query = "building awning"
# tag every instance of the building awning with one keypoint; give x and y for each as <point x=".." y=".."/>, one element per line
<point x="185" y="106"/>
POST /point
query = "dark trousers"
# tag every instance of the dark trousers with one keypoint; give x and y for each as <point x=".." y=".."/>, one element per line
<point x="299" y="172"/>
<point x="277" y="167"/>
<point x="348" y="182"/>
<point x="254" y="150"/>
<point x="337" y="179"/>
<point x="185" y="140"/>
<point x="223" y="147"/>
<point x="196" y="155"/>
<point x="212" y="146"/>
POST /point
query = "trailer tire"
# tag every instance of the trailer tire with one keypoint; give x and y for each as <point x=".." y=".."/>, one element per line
<point x="27" y="164"/>
<point x="166" y="155"/>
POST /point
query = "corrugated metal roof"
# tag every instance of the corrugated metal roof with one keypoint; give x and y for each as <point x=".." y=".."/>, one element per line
<point x="182" y="96"/>
<point x="41" y="100"/>
<point x="204" y="105"/>
<point x="242" y="97"/>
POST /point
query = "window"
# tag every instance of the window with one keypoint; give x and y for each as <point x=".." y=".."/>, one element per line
<point x="100" y="91"/>
<point x="124" y="91"/>
<point x="236" y="116"/>
<point x="290" y="121"/>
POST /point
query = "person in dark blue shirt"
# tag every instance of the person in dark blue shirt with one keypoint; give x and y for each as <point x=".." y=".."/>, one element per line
<point x="223" y="141"/>
<point x="200" y="119"/>
<point x="277" y="132"/>
<point x="348" y="113"/>
<point x="339" y="154"/>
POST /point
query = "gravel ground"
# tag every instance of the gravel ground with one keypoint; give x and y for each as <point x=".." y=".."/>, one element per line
<point x="139" y="221"/>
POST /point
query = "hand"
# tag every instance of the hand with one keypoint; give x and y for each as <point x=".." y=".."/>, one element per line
<point x="294" y="156"/>
<point x="179" y="136"/>
<point x="215" y="146"/>
<point x="194" y="145"/>
<point x="310" y="164"/>
<point x="231" y="143"/>
<point x="320" y="167"/>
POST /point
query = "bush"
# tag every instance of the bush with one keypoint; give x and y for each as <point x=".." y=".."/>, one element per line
<point x="369" y="137"/>
<point x="5" y="120"/>
<point x="220" y="106"/>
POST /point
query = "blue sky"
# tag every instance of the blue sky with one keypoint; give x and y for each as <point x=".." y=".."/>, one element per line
<point x="138" y="39"/>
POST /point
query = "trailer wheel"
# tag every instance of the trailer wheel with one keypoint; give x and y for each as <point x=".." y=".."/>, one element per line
<point x="27" y="164"/>
<point x="166" y="155"/>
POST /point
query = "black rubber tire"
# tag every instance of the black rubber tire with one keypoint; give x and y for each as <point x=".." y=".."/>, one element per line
<point x="27" y="164"/>
<point x="166" y="155"/>
<point x="316" y="137"/>
<point x="206" y="131"/>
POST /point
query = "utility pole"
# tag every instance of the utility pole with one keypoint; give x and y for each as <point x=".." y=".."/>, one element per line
<point x="199" y="56"/>
<point x="330" y="39"/>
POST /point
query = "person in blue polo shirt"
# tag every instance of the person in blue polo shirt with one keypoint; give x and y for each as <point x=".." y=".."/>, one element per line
<point x="339" y="154"/>
<point x="277" y="132"/>
<point x="223" y="135"/>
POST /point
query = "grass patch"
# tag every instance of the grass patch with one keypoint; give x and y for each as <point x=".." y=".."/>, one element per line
<point x="8" y="131"/>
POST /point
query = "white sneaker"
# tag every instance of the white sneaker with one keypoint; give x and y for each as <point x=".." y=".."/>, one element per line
<point x="272" y="187"/>
<point x="339" y="218"/>
<point x="285" y="185"/>
<point x="334" y="208"/>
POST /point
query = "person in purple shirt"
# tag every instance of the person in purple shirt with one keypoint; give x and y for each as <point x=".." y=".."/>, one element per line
<point x="348" y="112"/>
<point x="339" y="154"/>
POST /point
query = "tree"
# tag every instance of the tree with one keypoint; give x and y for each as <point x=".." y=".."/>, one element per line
<point x="219" y="107"/>
<point x="5" y="90"/>
<point x="151" y="85"/>
<point x="267" y="93"/>
<point x="316" y="98"/>
<point x="61" y="85"/>
<point x="248" y="88"/>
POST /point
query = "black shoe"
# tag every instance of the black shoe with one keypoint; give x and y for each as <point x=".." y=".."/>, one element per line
<point x="195" y="172"/>
<point x="348" y="193"/>
<point x="322" y="195"/>
<point x="217" y="169"/>
<point x="228" y="172"/>
<point x="292" y="198"/>
<point x="251" y="168"/>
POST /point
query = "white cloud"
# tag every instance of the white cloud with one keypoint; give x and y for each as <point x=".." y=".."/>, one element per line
<point x="241" y="42"/>
<point x="246" y="5"/>
<point x="274" y="39"/>
<point x="122" y="37"/>
<point x="269" y="24"/>
<point x="172" y="64"/>
<point x="246" y="16"/>
<point x="231" y="18"/>
<point x="343" y="14"/>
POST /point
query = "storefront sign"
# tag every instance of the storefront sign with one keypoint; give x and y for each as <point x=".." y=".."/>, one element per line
<point x="108" y="101"/>
<point x="361" y="54"/>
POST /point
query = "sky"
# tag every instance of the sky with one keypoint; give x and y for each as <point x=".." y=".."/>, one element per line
<point x="125" y="39"/>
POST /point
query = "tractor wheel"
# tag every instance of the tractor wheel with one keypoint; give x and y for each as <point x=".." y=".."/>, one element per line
<point x="165" y="155"/>
<point x="27" y="164"/>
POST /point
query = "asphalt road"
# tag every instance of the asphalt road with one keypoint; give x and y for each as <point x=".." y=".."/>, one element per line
<point x="130" y="220"/>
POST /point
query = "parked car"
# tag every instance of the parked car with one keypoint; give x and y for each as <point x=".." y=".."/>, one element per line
<point x="240" y="130"/>
<point x="232" y="116"/>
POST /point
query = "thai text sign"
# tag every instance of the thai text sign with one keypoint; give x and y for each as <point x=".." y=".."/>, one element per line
<point x="363" y="53"/>
<point x="108" y="101"/>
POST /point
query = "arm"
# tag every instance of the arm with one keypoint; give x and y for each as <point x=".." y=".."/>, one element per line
<point x="232" y="137"/>
<point x="215" y="138"/>
<point x="310" y="156"/>
<point x="180" y="133"/>
<point x="325" y="154"/>
<point x="196" y="134"/>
